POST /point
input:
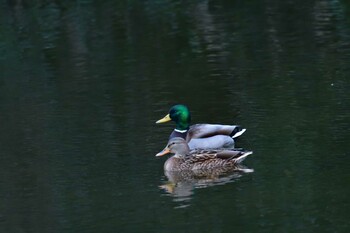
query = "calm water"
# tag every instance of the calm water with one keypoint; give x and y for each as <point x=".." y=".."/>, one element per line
<point x="82" y="83"/>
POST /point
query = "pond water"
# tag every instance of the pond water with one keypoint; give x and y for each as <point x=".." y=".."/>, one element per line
<point x="83" y="82"/>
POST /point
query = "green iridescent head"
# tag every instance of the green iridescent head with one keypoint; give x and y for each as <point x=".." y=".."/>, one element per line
<point x="180" y="115"/>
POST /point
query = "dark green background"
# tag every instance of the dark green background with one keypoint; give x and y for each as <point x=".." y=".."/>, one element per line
<point x="82" y="83"/>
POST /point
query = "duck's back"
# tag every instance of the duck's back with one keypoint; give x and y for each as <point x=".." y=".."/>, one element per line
<point x="209" y="130"/>
<point x="206" y="160"/>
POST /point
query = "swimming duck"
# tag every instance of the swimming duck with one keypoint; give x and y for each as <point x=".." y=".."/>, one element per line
<point x="185" y="160"/>
<point x="202" y="136"/>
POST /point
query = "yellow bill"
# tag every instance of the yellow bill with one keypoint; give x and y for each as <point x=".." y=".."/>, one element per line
<point x="164" y="119"/>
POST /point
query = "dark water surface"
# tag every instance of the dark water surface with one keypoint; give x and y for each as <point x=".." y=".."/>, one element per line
<point x="82" y="83"/>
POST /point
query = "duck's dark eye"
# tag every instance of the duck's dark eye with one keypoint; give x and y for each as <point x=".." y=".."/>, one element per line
<point x="173" y="113"/>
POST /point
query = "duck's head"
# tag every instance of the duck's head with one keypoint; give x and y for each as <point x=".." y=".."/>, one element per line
<point x="177" y="146"/>
<point x="180" y="115"/>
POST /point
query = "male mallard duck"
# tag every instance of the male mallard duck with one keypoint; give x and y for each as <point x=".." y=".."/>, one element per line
<point x="185" y="160"/>
<point x="203" y="136"/>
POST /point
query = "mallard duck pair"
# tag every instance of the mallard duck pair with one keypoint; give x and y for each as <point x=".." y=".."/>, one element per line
<point x="189" y="144"/>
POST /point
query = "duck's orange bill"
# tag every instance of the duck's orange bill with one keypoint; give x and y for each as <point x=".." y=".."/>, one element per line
<point x="163" y="152"/>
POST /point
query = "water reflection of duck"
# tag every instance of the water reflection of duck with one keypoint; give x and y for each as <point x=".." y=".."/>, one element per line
<point x="200" y="161"/>
<point x="180" y="184"/>
<point x="202" y="136"/>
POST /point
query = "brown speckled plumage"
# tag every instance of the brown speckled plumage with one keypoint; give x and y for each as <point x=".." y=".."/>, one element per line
<point x="200" y="159"/>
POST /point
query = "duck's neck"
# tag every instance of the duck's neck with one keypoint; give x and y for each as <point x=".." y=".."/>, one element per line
<point x="182" y="151"/>
<point x="182" y="125"/>
<point x="178" y="133"/>
<point x="172" y="164"/>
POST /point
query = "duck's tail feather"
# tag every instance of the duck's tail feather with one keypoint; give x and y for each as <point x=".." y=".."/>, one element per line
<point x="242" y="157"/>
<point x="238" y="131"/>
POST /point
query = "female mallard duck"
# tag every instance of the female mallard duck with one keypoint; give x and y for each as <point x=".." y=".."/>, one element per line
<point x="200" y="136"/>
<point x="185" y="160"/>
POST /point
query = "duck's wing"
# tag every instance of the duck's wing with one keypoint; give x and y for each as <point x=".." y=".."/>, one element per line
<point x="217" y="141"/>
<point x="208" y="130"/>
<point x="212" y="159"/>
<point x="236" y="156"/>
<point x="199" y="155"/>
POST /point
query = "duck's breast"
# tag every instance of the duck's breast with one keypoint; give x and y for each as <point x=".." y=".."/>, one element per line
<point x="172" y="164"/>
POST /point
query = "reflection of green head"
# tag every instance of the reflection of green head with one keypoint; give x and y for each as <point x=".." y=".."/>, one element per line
<point x="181" y="116"/>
